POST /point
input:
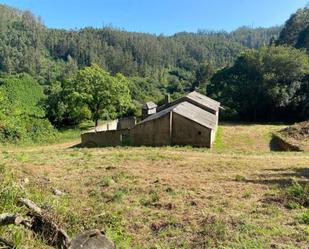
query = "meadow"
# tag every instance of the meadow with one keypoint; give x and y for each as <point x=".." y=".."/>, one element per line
<point x="239" y="194"/>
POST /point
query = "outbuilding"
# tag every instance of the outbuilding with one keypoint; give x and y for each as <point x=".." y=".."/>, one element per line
<point x="180" y="124"/>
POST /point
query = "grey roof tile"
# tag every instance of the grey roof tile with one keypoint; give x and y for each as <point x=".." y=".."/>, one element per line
<point x="188" y="111"/>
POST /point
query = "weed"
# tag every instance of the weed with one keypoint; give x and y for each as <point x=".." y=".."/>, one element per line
<point x="154" y="197"/>
<point x="22" y="157"/>
<point x="240" y="178"/>
<point x="293" y="205"/>
<point x="115" y="230"/>
<point x="298" y="194"/>
<point x="5" y="154"/>
<point x="106" y="181"/>
<point x="215" y="228"/>
<point x="304" y="219"/>
<point x="118" y="195"/>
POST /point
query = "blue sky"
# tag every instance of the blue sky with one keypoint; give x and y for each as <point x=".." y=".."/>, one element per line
<point x="161" y="16"/>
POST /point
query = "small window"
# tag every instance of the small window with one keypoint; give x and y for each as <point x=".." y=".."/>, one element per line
<point x="200" y="133"/>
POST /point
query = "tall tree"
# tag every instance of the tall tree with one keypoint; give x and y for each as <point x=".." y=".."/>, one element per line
<point x="103" y="94"/>
<point x="262" y="83"/>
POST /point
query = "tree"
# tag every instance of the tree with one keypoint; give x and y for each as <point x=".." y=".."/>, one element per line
<point x="297" y="23"/>
<point x="203" y="75"/>
<point x="262" y="84"/>
<point x="105" y="96"/>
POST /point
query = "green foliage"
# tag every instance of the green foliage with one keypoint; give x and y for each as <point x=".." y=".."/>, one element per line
<point x="24" y="93"/>
<point x="49" y="55"/>
<point x="262" y="83"/>
<point x="21" y="115"/>
<point x="293" y="28"/>
<point x="105" y="96"/>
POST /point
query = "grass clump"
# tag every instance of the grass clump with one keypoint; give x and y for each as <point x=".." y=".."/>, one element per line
<point x="304" y="219"/>
<point x="240" y="178"/>
<point x="215" y="229"/>
<point x="298" y="195"/>
<point x="106" y="181"/>
<point x="9" y="190"/>
<point x="115" y="229"/>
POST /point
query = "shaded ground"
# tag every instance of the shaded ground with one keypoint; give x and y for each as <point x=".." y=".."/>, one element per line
<point x="297" y="134"/>
<point x="169" y="197"/>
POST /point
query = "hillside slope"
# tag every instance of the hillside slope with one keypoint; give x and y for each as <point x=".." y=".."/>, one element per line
<point x="29" y="46"/>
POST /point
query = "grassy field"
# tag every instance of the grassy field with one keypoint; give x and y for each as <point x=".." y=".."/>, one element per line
<point x="172" y="197"/>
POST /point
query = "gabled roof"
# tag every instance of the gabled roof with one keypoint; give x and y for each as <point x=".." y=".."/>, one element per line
<point x="149" y="105"/>
<point x="196" y="99"/>
<point x="189" y="111"/>
<point x="204" y="100"/>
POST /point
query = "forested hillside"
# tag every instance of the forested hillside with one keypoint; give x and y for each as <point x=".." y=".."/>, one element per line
<point x="248" y="70"/>
<point x="296" y="30"/>
<point x="49" y="54"/>
<point x="271" y="82"/>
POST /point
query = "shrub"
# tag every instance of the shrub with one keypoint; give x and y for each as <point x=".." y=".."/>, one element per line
<point x="21" y="112"/>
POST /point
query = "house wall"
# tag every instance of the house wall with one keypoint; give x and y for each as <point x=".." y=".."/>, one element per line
<point x="187" y="132"/>
<point x="152" y="133"/>
<point x="106" y="138"/>
<point x="126" y="123"/>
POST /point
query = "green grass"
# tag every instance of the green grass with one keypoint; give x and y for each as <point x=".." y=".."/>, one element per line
<point x="304" y="218"/>
<point x="218" y="144"/>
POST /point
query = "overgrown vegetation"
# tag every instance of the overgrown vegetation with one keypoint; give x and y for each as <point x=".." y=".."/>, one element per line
<point x="22" y="117"/>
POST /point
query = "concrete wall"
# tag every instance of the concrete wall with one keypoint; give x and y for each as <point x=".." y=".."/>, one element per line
<point x="126" y="123"/>
<point x="111" y="125"/>
<point x="187" y="132"/>
<point x="153" y="133"/>
<point x="170" y="129"/>
<point x="106" y="138"/>
<point x="117" y="124"/>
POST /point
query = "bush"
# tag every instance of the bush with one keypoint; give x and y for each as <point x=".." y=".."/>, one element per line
<point x="21" y="113"/>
